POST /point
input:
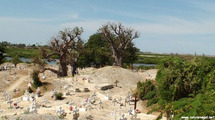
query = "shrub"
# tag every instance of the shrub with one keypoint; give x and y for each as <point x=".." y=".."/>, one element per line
<point x="36" y="79"/>
<point x="59" y="96"/>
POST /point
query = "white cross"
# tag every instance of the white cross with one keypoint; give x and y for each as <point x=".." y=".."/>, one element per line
<point x="108" y="93"/>
<point x="114" y="101"/>
<point x="130" y="111"/>
<point x="70" y="103"/>
<point x="38" y="90"/>
<point x="123" y="117"/>
<point x="54" y="92"/>
<point x="44" y="101"/>
<point x="9" y="102"/>
<point x="100" y="104"/>
<point x="60" y="111"/>
<point x="76" y="110"/>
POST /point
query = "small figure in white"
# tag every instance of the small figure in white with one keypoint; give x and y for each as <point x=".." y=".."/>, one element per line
<point x="60" y="111"/>
<point x="83" y="103"/>
<point x="100" y="104"/>
<point x="114" y="101"/>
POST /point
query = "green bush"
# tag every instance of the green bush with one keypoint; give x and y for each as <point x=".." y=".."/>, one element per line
<point x="184" y="85"/>
<point x="36" y="79"/>
<point x="59" y="96"/>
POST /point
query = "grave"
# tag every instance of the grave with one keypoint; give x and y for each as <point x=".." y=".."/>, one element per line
<point x="75" y="113"/>
<point x="26" y="97"/>
<point x="104" y="86"/>
<point x="60" y="111"/>
<point x="77" y="90"/>
<point x="86" y="90"/>
<point x="107" y="97"/>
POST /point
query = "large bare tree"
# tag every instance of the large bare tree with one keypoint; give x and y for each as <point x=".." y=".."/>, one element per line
<point x="60" y="46"/>
<point x="118" y="37"/>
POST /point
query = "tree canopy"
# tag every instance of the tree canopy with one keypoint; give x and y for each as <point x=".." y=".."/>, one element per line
<point x="118" y="37"/>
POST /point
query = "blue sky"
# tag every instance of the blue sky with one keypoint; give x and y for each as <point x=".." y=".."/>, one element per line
<point x="166" y="26"/>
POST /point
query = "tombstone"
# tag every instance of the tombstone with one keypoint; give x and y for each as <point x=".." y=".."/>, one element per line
<point x="120" y="102"/>
<point x="114" y="101"/>
<point x="9" y="102"/>
<point x="123" y="117"/>
<point x="29" y="84"/>
<point x="43" y="77"/>
<point x="88" y="107"/>
<point x="60" y="111"/>
<point x="70" y="105"/>
<point x="53" y="93"/>
<point x="16" y="104"/>
<point x="127" y="100"/>
<point x="5" y="95"/>
<point x="116" y="82"/>
<point x="75" y="113"/>
<point x="44" y="101"/>
<point x="114" y="114"/>
<point x="66" y="87"/>
<point x="32" y="97"/>
<point x="86" y="90"/>
<point x="38" y="91"/>
<point x="130" y="111"/>
<point x="77" y="90"/>
<point x="100" y="104"/>
<point x="107" y="97"/>
<point x="26" y="96"/>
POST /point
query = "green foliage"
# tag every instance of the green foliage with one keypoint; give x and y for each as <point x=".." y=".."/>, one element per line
<point x="15" y="60"/>
<point x="21" y="52"/>
<point x="145" y="90"/>
<point x="2" y="51"/>
<point x="59" y="96"/>
<point x="97" y="53"/>
<point x="184" y="85"/>
<point x="36" y="79"/>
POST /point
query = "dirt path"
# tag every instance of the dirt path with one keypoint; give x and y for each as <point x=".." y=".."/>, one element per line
<point x="16" y="84"/>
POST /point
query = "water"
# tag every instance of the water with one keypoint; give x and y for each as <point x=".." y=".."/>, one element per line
<point x="147" y="65"/>
<point x="29" y="60"/>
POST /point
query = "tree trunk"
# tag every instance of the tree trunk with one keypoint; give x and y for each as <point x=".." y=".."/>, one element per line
<point x="118" y="59"/>
<point x="62" y="70"/>
<point x="74" y="66"/>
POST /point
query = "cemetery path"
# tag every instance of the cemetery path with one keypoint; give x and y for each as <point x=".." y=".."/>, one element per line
<point x="16" y="84"/>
